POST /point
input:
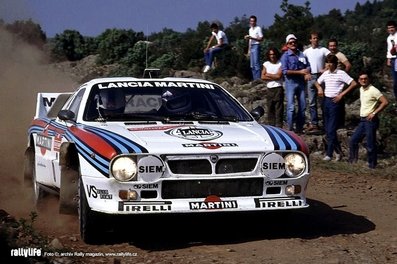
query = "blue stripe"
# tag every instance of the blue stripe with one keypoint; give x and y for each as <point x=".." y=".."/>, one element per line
<point x="121" y="148"/>
<point x="287" y="137"/>
<point x="272" y="137"/>
<point x="280" y="142"/>
<point x="88" y="150"/>
<point x="99" y="162"/>
<point x="122" y="143"/>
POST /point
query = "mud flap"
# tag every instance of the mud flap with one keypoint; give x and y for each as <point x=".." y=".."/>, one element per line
<point x="68" y="195"/>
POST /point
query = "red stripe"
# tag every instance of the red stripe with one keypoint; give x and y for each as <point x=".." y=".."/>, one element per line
<point x="94" y="142"/>
<point x="302" y="145"/>
<point x="56" y="129"/>
<point x="39" y="122"/>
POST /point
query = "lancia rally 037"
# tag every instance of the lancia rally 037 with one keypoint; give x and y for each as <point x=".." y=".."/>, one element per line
<point x="127" y="146"/>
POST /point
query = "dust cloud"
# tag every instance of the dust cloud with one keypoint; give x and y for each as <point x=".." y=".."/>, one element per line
<point x="23" y="73"/>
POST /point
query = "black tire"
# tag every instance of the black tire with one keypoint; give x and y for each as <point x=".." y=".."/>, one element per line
<point x="38" y="194"/>
<point x="94" y="227"/>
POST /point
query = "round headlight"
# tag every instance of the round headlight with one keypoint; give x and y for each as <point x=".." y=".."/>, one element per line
<point x="294" y="164"/>
<point x="124" y="168"/>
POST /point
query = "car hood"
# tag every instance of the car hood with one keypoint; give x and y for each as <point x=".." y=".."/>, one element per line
<point x="197" y="137"/>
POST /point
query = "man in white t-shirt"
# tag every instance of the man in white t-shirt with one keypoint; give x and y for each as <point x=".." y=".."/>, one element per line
<point x="255" y="37"/>
<point x="391" y="52"/>
<point x="210" y="51"/>
<point x="316" y="56"/>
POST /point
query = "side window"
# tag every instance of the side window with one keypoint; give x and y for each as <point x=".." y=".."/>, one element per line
<point x="76" y="101"/>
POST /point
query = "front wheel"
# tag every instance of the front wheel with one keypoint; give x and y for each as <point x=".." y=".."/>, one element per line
<point x="94" y="226"/>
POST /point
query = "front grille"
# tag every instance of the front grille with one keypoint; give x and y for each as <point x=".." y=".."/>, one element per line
<point x="194" y="166"/>
<point x="235" y="165"/>
<point x="219" y="187"/>
<point x="204" y="166"/>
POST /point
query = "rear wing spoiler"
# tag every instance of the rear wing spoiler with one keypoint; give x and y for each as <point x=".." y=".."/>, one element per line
<point x="49" y="104"/>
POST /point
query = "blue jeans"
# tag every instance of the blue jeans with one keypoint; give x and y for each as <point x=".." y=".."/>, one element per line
<point x="331" y="116"/>
<point x="294" y="88"/>
<point x="394" y="76"/>
<point x="209" y="55"/>
<point x="255" y="63"/>
<point x="365" y="129"/>
<point x="312" y="95"/>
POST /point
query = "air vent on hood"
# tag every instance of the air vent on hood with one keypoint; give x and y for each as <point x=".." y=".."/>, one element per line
<point x="141" y="123"/>
<point x="214" y="122"/>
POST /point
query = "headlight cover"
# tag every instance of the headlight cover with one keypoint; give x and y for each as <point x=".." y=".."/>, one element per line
<point x="295" y="164"/>
<point x="124" y="168"/>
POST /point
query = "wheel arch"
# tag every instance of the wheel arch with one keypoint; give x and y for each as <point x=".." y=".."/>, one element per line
<point x="70" y="173"/>
<point x="29" y="162"/>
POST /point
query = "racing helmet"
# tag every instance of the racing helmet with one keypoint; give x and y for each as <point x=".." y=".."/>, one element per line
<point x="176" y="101"/>
<point x="111" y="101"/>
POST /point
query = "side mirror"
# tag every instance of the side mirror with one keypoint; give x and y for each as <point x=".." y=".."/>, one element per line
<point x="66" y="115"/>
<point x="257" y="112"/>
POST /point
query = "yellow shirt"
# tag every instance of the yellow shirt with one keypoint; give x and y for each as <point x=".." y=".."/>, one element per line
<point x="369" y="98"/>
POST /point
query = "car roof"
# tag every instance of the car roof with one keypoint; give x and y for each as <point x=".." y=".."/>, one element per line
<point x="126" y="79"/>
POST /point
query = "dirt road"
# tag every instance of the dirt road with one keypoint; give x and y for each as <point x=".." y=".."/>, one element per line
<point x="351" y="219"/>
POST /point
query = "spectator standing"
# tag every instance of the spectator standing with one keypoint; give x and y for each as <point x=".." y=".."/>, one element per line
<point x="343" y="64"/>
<point x="316" y="55"/>
<point x="391" y="52"/>
<point x="334" y="81"/>
<point x="343" y="61"/>
<point x="272" y="74"/>
<point x="372" y="102"/>
<point x="254" y="37"/>
<point x="296" y="71"/>
<point x="210" y="51"/>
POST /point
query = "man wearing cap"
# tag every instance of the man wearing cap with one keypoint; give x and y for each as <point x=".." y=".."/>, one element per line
<point x="296" y="70"/>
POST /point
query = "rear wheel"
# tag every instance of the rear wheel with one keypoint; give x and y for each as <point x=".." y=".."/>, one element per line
<point x="30" y="181"/>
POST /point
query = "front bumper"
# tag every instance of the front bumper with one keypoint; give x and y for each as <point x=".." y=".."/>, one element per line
<point x="195" y="195"/>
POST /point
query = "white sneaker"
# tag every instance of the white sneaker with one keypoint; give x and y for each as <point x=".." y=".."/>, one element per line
<point x="206" y="68"/>
<point x="327" y="158"/>
<point x="338" y="157"/>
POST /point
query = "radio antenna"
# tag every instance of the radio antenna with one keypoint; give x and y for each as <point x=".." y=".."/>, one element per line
<point x="149" y="72"/>
<point x="147" y="43"/>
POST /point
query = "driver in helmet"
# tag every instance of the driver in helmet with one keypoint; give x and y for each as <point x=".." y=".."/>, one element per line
<point x="111" y="102"/>
<point x="176" y="101"/>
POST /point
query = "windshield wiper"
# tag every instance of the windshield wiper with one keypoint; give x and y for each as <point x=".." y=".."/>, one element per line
<point x="136" y="117"/>
<point x="210" y="117"/>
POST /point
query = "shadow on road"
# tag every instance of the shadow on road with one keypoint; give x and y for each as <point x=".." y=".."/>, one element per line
<point x="165" y="232"/>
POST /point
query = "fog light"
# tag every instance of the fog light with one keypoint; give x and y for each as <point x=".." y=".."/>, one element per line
<point x="292" y="189"/>
<point x="128" y="195"/>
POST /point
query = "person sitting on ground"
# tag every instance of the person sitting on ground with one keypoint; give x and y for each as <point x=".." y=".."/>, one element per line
<point x="210" y="51"/>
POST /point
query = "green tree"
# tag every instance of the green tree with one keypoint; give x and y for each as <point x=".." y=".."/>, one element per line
<point x="296" y="19"/>
<point x="69" y="45"/>
<point x="114" y="44"/>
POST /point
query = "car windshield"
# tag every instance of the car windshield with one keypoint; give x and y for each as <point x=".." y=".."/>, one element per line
<point x="162" y="101"/>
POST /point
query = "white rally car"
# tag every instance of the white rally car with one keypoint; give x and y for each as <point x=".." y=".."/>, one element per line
<point x="127" y="146"/>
